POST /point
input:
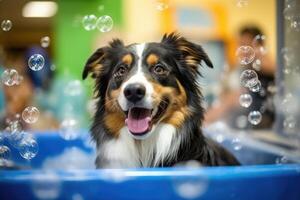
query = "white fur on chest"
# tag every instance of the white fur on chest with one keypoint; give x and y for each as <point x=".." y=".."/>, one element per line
<point x="126" y="151"/>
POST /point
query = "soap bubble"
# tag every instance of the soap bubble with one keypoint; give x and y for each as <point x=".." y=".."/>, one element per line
<point x="254" y="117"/>
<point x="77" y="197"/>
<point x="105" y="23"/>
<point x="6" y="25"/>
<point x="288" y="13"/>
<point x="45" y="41"/>
<point x="30" y="114"/>
<point x="89" y="22"/>
<point x="46" y="185"/>
<point x="236" y="144"/>
<point x="69" y="129"/>
<point x="245" y="100"/>
<point x="53" y="67"/>
<point x="15" y="138"/>
<point x="28" y="148"/>
<point x="289" y="124"/>
<point x="245" y="54"/>
<point x="242" y="3"/>
<point x="257" y="65"/>
<point x="256" y="88"/>
<point x="161" y="5"/>
<point x="4" y="152"/>
<point x="241" y="121"/>
<point x="249" y="78"/>
<point x="281" y="160"/>
<point x="258" y="42"/>
<point x="15" y="126"/>
<point x="295" y="23"/>
<point x="36" y="62"/>
<point x="288" y="104"/>
<point x="289" y="55"/>
<point x="100" y="8"/>
<point x="191" y="187"/>
<point x="9" y="77"/>
<point x="74" y="88"/>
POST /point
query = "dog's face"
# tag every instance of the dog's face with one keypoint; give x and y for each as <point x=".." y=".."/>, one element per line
<point x="142" y="85"/>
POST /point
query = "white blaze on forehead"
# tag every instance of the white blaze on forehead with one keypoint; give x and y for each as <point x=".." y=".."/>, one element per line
<point x="138" y="78"/>
<point x="139" y="51"/>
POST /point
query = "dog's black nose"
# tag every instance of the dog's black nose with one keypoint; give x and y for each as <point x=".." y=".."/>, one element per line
<point x="134" y="92"/>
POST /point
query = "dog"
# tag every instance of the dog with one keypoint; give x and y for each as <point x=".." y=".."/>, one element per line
<point x="149" y="109"/>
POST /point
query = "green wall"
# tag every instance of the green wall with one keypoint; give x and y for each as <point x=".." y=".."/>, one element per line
<point x="73" y="44"/>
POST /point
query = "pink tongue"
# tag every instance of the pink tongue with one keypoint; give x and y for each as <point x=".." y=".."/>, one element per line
<point x="138" y="120"/>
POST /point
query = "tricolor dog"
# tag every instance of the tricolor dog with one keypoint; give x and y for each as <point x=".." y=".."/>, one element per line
<point x="149" y="109"/>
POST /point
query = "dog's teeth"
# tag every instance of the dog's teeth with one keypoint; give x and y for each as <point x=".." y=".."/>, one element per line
<point x="154" y="111"/>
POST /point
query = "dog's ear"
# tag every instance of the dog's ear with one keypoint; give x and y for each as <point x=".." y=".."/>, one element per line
<point x="191" y="53"/>
<point x="95" y="63"/>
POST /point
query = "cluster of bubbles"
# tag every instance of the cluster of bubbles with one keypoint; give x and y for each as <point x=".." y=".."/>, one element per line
<point x="23" y="141"/>
<point x="291" y="14"/>
<point x="246" y="56"/>
<point x="11" y="77"/>
<point x="36" y="62"/>
<point x="103" y="23"/>
<point x="6" y="25"/>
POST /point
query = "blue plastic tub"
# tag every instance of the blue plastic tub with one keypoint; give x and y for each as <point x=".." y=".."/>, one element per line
<point x="50" y="178"/>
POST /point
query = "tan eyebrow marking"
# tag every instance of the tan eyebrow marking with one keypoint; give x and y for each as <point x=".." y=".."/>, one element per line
<point x="127" y="59"/>
<point x="152" y="59"/>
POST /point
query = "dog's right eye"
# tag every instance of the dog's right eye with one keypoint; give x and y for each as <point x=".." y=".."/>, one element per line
<point x="121" y="71"/>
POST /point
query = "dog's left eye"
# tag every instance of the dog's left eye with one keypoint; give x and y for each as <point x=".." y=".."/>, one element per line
<point x="160" y="69"/>
<point x="121" y="71"/>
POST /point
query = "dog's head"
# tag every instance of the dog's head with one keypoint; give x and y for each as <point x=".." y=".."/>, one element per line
<point x="142" y="85"/>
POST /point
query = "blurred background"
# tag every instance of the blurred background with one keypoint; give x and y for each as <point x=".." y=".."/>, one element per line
<point x="45" y="44"/>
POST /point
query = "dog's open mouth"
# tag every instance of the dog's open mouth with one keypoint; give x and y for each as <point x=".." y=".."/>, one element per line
<point x="140" y="120"/>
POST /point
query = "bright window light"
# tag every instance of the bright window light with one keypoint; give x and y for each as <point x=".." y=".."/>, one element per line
<point x="39" y="9"/>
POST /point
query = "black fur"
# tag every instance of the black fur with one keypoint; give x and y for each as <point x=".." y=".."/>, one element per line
<point x="175" y="51"/>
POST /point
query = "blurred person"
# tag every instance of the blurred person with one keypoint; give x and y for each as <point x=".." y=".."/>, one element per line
<point x="18" y="97"/>
<point x="227" y="106"/>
